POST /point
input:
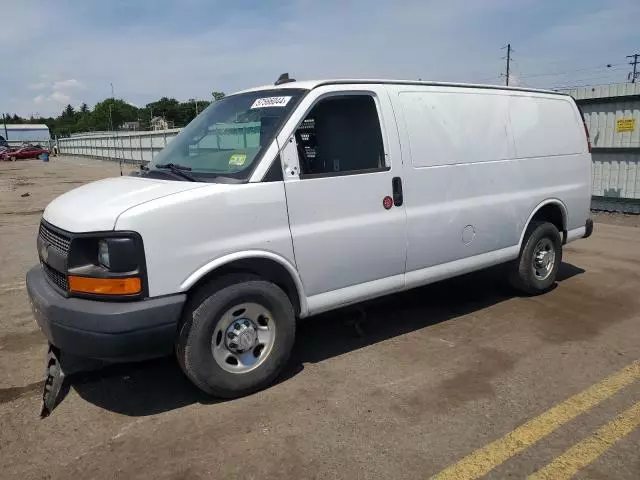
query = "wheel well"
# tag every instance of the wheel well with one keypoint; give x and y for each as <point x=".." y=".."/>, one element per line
<point x="552" y="213"/>
<point x="264" y="268"/>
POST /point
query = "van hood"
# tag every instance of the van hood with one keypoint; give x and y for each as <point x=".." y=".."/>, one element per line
<point x="97" y="205"/>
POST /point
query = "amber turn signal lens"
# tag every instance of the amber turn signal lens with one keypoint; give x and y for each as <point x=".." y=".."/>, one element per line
<point x="105" y="286"/>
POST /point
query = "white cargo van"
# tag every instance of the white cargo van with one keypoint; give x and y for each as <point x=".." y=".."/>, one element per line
<point x="293" y="199"/>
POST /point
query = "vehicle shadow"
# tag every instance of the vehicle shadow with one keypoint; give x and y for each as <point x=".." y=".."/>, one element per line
<point x="155" y="386"/>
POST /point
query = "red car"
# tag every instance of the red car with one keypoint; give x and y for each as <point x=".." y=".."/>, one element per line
<point x="22" y="153"/>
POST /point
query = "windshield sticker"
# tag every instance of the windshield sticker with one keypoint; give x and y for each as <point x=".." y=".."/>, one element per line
<point x="237" y="159"/>
<point x="270" y="102"/>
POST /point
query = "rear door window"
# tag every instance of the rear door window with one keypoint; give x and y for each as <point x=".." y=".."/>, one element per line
<point x="545" y="126"/>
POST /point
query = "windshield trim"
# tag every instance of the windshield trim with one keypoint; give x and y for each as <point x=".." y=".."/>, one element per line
<point x="244" y="176"/>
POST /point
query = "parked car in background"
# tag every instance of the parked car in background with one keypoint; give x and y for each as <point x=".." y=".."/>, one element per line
<point x="22" y="153"/>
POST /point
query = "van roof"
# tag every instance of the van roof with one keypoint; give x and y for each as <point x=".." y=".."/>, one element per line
<point x="311" y="84"/>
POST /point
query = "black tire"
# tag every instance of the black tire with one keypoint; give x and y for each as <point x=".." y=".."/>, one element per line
<point x="523" y="276"/>
<point x="200" y="318"/>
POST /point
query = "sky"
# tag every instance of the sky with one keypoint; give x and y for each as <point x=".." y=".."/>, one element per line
<point x="70" y="51"/>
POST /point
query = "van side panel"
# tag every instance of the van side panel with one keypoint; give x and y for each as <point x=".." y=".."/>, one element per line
<point x="456" y="142"/>
<point x="548" y="130"/>
<point x="453" y="128"/>
<point x="468" y="188"/>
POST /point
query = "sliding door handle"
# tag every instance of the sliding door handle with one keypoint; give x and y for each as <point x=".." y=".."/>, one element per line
<point x="396" y="183"/>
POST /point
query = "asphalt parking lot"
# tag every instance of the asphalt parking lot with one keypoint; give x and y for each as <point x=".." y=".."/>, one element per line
<point x="457" y="380"/>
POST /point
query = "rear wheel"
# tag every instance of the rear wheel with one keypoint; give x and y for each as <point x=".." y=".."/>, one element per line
<point x="537" y="266"/>
<point x="236" y="337"/>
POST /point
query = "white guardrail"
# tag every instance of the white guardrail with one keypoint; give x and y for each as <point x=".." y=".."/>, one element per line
<point x="129" y="147"/>
<point x="616" y="181"/>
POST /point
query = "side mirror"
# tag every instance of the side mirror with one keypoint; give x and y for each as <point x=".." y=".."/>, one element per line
<point x="289" y="156"/>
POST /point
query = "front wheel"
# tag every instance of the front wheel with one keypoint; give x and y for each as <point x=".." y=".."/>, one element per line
<point x="537" y="266"/>
<point x="236" y="337"/>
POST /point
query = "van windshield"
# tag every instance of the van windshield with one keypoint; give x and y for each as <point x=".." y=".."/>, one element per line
<point x="229" y="137"/>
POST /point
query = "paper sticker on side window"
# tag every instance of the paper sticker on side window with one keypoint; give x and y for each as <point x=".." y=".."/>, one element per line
<point x="270" y="102"/>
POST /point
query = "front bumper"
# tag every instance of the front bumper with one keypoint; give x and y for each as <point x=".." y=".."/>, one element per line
<point x="105" y="330"/>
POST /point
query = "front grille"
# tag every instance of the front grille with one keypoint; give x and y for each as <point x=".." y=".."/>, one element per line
<point x="59" y="242"/>
<point x="60" y="279"/>
<point x="56" y="240"/>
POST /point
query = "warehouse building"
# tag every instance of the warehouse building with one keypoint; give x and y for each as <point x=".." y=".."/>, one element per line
<point x="17" y="134"/>
<point x="612" y="116"/>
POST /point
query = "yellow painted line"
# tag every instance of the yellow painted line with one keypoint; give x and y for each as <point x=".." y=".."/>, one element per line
<point x="485" y="459"/>
<point x="588" y="450"/>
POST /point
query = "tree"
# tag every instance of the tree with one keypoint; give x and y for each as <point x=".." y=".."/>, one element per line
<point x="68" y="113"/>
<point x="189" y="110"/>
<point x="169" y="109"/>
<point x="112" y="113"/>
<point x="217" y="95"/>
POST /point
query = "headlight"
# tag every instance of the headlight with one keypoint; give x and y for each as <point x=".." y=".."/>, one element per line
<point x="103" y="254"/>
<point x="111" y="265"/>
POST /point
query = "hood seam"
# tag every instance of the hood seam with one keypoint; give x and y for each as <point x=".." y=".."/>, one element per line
<point x="152" y="200"/>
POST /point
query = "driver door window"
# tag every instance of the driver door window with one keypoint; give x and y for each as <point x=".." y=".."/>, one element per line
<point x="341" y="135"/>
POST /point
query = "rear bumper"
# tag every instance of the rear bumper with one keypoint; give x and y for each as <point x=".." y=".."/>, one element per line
<point x="105" y="330"/>
<point x="588" y="228"/>
<point x="580" y="232"/>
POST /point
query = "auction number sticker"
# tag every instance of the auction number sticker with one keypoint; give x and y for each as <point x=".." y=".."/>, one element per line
<point x="270" y="102"/>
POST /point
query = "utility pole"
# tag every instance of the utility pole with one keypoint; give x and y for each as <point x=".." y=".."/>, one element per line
<point x="634" y="62"/>
<point x="110" y="113"/>
<point x="508" y="63"/>
<point x="114" y="130"/>
<point x="4" y="122"/>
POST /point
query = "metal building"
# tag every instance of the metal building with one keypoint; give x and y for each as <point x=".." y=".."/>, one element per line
<point x="612" y="115"/>
<point x="16" y="134"/>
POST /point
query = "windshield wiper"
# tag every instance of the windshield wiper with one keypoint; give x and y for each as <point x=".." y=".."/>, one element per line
<point x="179" y="170"/>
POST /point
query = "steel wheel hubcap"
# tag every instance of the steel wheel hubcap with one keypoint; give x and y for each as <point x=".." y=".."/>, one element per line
<point x="243" y="338"/>
<point x="544" y="258"/>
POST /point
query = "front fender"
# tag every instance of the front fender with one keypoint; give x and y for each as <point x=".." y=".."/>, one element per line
<point x="220" y="262"/>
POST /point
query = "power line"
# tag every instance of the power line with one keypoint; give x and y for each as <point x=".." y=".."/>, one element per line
<point x="512" y="67"/>
<point x="571" y="87"/>
<point x="557" y="62"/>
<point x="608" y="67"/>
<point x="521" y="75"/>
<point x="632" y="76"/>
<point x="589" y="76"/>
<point x="568" y="85"/>
<point x="519" y="78"/>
